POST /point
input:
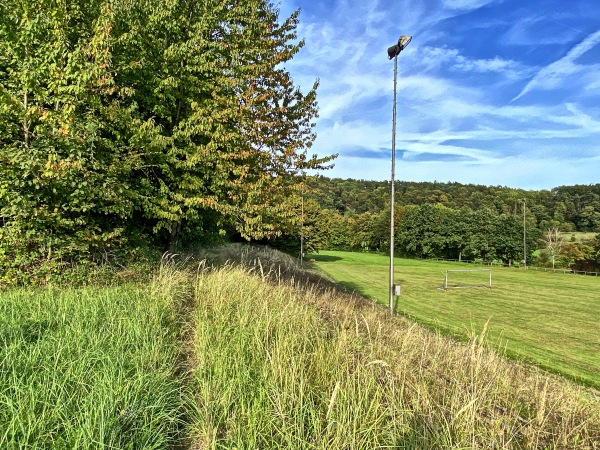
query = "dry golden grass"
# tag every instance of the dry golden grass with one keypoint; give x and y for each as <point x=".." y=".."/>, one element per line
<point x="285" y="362"/>
<point x="479" y="398"/>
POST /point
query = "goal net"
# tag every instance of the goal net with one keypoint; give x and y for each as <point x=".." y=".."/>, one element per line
<point x="467" y="278"/>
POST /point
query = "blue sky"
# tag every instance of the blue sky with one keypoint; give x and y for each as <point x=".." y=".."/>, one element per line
<point x="493" y="92"/>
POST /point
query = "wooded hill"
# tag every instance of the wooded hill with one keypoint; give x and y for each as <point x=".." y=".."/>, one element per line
<point x="571" y="208"/>
<point x="452" y="220"/>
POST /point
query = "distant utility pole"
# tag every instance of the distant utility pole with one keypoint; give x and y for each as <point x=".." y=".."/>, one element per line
<point x="524" y="238"/>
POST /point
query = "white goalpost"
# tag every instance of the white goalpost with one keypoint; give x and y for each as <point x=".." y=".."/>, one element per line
<point x="467" y="278"/>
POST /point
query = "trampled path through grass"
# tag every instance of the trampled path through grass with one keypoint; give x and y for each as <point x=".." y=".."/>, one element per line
<point x="545" y="318"/>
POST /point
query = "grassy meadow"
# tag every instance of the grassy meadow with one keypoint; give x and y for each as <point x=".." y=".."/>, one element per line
<point x="549" y="319"/>
<point x="253" y="354"/>
<point x="579" y="236"/>
<point x="89" y="368"/>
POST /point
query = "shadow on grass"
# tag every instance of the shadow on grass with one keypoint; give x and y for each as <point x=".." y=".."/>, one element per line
<point x="355" y="288"/>
<point x="324" y="258"/>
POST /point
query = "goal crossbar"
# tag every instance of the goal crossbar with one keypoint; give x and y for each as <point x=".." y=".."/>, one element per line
<point x="487" y="284"/>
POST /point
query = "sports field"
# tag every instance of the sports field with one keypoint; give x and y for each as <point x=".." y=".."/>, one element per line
<point x="549" y="319"/>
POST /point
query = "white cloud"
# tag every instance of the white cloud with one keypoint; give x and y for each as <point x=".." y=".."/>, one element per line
<point x="466" y="4"/>
<point x="557" y="73"/>
<point x="435" y="58"/>
<point x="548" y="26"/>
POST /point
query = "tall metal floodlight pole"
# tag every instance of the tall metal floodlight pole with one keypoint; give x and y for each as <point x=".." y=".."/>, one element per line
<point x="393" y="53"/>
<point x="302" y="231"/>
<point x="524" y="239"/>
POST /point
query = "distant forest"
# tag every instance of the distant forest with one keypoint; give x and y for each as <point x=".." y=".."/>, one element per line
<point x="452" y="220"/>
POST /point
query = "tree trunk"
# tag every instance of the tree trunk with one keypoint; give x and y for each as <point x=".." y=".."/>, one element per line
<point x="172" y="242"/>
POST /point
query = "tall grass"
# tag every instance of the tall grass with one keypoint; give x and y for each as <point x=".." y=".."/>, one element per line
<point x="248" y="357"/>
<point x="90" y="368"/>
<point x="270" y="374"/>
<point x="283" y="367"/>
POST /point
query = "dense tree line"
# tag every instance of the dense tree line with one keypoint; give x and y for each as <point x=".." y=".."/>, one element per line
<point x="569" y="208"/>
<point x="130" y="121"/>
<point x="456" y="221"/>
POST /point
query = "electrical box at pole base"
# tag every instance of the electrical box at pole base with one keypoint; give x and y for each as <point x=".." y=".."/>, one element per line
<point x="397" y="290"/>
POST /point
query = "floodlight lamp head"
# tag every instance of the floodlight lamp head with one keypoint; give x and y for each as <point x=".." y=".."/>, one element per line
<point x="395" y="50"/>
<point x="403" y="41"/>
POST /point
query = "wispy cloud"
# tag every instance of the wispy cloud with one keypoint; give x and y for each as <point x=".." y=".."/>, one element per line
<point x="456" y="119"/>
<point x="436" y="58"/>
<point x="466" y="4"/>
<point x="560" y="71"/>
<point x="532" y="31"/>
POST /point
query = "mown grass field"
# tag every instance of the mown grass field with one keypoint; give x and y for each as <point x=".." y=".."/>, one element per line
<point x="545" y="318"/>
<point x="578" y="236"/>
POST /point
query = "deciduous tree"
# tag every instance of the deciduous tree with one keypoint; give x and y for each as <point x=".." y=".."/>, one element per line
<point x="553" y="242"/>
<point x="65" y="137"/>
<point x="232" y="129"/>
<point x="123" y="116"/>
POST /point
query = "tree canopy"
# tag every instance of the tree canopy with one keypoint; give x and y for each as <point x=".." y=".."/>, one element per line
<point x="127" y="120"/>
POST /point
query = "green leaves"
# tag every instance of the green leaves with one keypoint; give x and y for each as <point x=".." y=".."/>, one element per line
<point x="437" y="231"/>
<point x="211" y="80"/>
<point x="64" y="159"/>
<point x="137" y="117"/>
